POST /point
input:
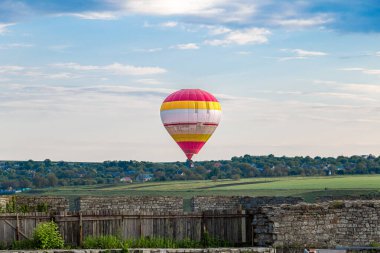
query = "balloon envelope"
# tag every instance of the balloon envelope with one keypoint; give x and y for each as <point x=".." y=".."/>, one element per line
<point x="190" y="116"/>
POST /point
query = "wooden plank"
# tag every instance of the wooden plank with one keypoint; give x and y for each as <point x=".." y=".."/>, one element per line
<point x="16" y="229"/>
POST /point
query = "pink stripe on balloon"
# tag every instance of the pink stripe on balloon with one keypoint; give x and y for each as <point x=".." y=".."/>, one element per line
<point x="191" y="147"/>
<point x="190" y="95"/>
<point x="194" y="123"/>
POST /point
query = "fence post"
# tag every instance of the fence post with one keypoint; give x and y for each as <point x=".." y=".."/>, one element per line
<point x="203" y="226"/>
<point x="80" y="229"/>
<point x="17" y="228"/>
<point x="243" y="227"/>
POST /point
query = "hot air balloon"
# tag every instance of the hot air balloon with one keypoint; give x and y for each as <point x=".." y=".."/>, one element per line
<point x="191" y="117"/>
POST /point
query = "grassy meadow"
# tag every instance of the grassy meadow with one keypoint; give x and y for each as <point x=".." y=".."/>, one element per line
<point x="307" y="187"/>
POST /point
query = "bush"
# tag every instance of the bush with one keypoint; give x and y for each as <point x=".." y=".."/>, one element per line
<point x="102" y="242"/>
<point x="24" y="244"/>
<point x="3" y="245"/>
<point x="113" y="242"/>
<point x="152" y="242"/>
<point x="209" y="241"/>
<point x="375" y="244"/>
<point x="47" y="236"/>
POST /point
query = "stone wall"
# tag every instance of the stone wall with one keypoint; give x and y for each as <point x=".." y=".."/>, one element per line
<point x="203" y="203"/>
<point x="39" y="203"/>
<point x="3" y="202"/>
<point x="134" y="204"/>
<point x="346" y="223"/>
<point x="348" y="197"/>
<point x="253" y="202"/>
<point x="35" y="203"/>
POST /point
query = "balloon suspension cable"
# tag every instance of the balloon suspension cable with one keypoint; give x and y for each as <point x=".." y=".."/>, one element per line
<point x="189" y="163"/>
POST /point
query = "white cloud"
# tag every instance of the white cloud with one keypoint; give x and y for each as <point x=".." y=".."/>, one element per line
<point x="3" y="27"/>
<point x="174" y="7"/>
<point x="303" y="22"/>
<point x="63" y="75"/>
<point x="377" y="53"/>
<point x="15" y="45"/>
<point x="115" y="68"/>
<point x="242" y="37"/>
<point x="169" y="24"/>
<point x="149" y="50"/>
<point x="300" y="54"/>
<point x="244" y="52"/>
<point x="32" y="72"/>
<point x="305" y="53"/>
<point x="10" y="69"/>
<point x="149" y="81"/>
<point x="361" y="88"/>
<point x="60" y="48"/>
<point x="341" y="95"/>
<point x="217" y="30"/>
<point x="96" y="15"/>
<point x="355" y="91"/>
<point x="188" y="46"/>
<point x="77" y="66"/>
<point x="363" y="70"/>
<point x="133" y="70"/>
<point x="221" y="10"/>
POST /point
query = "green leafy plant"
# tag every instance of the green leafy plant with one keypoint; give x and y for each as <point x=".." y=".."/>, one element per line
<point x="209" y="241"/>
<point x="102" y="242"/>
<point x="11" y="205"/>
<point x="42" y="207"/>
<point x="375" y="244"/>
<point x="47" y="236"/>
<point x="23" y="209"/>
<point x="24" y="244"/>
<point x="112" y="242"/>
<point x="3" y="245"/>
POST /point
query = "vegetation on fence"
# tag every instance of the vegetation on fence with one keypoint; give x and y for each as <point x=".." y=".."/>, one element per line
<point x="13" y="207"/>
<point x="111" y="242"/>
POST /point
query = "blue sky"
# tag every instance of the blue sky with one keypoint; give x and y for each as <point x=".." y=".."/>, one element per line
<point x="84" y="80"/>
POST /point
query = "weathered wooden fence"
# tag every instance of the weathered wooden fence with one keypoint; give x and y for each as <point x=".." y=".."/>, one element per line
<point x="232" y="226"/>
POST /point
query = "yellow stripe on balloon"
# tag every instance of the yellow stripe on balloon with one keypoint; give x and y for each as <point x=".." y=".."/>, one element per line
<point x="191" y="137"/>
<point x="190" y="105"/>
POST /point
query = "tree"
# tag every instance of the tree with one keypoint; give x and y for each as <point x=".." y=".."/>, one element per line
<point x="52" y="179"/>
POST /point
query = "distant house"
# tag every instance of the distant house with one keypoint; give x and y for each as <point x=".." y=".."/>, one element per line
<point x="217" y="165"/>
<point x="144" y="177"/>
<point x="126" y="180"/>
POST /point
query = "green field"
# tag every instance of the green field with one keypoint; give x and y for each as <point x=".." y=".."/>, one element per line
<point x="307" y="187"/>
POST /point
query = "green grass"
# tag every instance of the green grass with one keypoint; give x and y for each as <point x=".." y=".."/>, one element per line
<point x="306" y="187"/>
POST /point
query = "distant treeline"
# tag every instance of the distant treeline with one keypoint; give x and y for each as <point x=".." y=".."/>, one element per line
<point x="38" y="174"/>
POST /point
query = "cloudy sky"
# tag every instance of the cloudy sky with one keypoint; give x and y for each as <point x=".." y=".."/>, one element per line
<point x="83" y="80"/>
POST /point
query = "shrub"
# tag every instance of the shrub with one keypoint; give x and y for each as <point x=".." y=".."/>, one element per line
<point x="209" y="241"/>
<point x="375" y="244"/>
<point x="188" y="243"/>
<point x="102" y="242"/>
<point x="3" y="245"/>
<point x="47" y="236"/>
<point x="112" y="242"/>
<point x="24" y="244"/>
